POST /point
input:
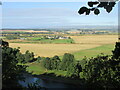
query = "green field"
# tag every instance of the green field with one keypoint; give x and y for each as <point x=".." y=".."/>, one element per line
<point x="45" y="41"/>
<point x="93" y="52"/>
<point x="54" y="41"/>
<point x="59" y="41"/>
<point x="2" y="37"/>
<point x="36" y="68"/>
<point x="106" y="49"/>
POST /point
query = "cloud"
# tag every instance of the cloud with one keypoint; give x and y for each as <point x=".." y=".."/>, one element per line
<point x="37" y="12"/>
<point x="52" y="16"/>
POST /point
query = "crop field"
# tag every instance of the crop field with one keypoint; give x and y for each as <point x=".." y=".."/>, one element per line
<point x="81" y="43"/>
<point x="96" y="39"/>
<point x="49" y="50"/>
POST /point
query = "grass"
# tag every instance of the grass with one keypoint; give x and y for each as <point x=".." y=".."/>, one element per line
<point x="58" y="41"/>
<point x="37" y="68"/>
<point x="45" y="41"/>
<point x="93" y="52"/>
<point x="2" y="37"/>
<point x="35" y="38"/>
<point x="58" y="72"/>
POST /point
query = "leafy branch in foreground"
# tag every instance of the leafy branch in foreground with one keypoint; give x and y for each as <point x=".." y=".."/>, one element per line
<point x="96" y="5"/>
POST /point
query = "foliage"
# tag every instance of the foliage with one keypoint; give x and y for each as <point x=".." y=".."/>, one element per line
<point x="11" y="37"/>
<point x="20" y="57"/>
<point x="55" y="61"/>
<point x="38" y="59"/>
<point x="102" y="71"/>
<point x="116" y="51"/>
<point x="47" y="63"/>
<point x="74" y="70"/>
<point x="4" y="43"/>
<point x="67" y="64"/>
<point x="51" y="63"/>
<point x="12" y="71"/>
<point x="66" y="61"/>
<point x="107" y="5"/>
<point x="29" y="57"/>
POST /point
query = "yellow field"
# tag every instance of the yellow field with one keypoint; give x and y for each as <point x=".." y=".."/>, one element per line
<point x="82" y="43"/>
<point x="51" y="49"/>
<point x="96" y="39"/>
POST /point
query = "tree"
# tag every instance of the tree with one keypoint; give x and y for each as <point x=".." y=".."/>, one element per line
<point x="74" y="70"/>
<point x="116" y="51"/>
<point x="55" y="61"/>
<point x="38" y="59"/>
<point x="106" y="4"/>
<point x="4" y="43"/>
<point x="20" y="57"/>
<point x="46" y="62"/>
<point x="11" y="70"/>
<point x="102" y="72"/>
<point x="29" y="57"/>
<point x="66" y="61"/>
<point x="10" y="37"/>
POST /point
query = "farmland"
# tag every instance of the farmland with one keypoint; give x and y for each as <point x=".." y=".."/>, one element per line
<point x="49" y="50"/>
<point x="50" y="43"/>
<point x="81" y="43"/>
<point x="96" y="39"/>
<point x="93" y="52"/>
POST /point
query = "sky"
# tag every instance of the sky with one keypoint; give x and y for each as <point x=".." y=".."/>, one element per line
<point x="52" y="15"/>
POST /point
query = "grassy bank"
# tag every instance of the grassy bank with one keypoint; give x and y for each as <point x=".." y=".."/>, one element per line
<point x="37" y="68"/>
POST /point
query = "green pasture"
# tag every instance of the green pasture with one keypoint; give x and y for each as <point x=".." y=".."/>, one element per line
<point x="93" y="52"/>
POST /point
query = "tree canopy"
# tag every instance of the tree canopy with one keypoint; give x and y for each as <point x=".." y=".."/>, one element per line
<point x="11" y="70"/>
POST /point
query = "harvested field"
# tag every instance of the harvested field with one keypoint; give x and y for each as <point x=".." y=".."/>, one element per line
<point x="51" y="49"/>
<point x="82" y="43"/>
<point x="96" y="39"/>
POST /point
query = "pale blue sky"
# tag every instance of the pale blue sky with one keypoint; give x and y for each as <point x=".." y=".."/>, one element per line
<point x="52" y="14"/>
